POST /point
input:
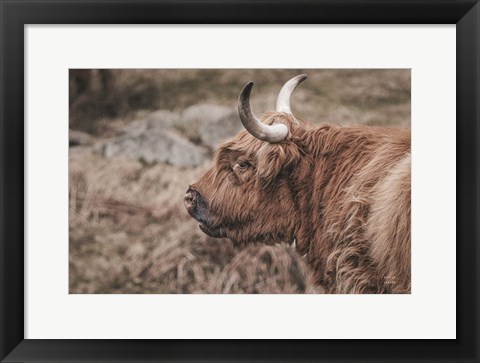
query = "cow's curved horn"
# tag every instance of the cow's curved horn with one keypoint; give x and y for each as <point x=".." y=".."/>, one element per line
<point x="270" y="133"/>
<point x="283" y="100"/>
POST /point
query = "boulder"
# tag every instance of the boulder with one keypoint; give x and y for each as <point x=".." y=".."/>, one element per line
<point x="209" y="124"/>
<point x="203" y="113"/>
<point x="196" y="116"/>
<point x="159" y="119"/>
<point x="155" y="146"/>
<point x="182" y="140"/>
<point x="213" y="133"/>
<point x="77" y="138"/>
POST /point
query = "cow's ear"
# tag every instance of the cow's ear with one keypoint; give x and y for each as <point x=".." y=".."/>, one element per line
<point x="274" y="158"/>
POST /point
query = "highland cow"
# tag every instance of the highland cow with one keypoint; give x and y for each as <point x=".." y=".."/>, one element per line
<point x="340" y="195"/>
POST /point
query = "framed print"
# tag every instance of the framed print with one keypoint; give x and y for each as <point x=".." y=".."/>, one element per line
<point x="180" y="141"/>
<point x="239" y="181"/>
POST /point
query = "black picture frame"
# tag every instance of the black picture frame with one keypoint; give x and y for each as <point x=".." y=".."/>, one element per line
<point x="16" y="14"/>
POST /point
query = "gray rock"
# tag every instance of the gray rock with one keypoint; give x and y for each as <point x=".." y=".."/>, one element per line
<point x="155" y="120"/>
<point x="158" y="136"/>
<point x="156" y="145"/>
<point x="203" y="113"/>
<point x="76" y="138"/>
<point x="196" y="116"/>
<point x="213" y="133"/>
<point x="161" y="119"/>
<point x="209" y="124"/>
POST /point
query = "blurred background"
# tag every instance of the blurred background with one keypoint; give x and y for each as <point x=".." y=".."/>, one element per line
<point x="138" y="138"/>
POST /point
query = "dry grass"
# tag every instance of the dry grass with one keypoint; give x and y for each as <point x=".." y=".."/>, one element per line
<point x="129" y="232"/>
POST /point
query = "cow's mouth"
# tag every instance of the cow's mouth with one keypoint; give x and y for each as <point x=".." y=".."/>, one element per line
<point x="198" y="209"/>
<point x="210" y="231"/>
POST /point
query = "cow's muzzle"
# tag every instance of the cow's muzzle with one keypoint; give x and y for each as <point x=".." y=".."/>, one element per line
<point x="197" y="208"/>
<point x="191" y="201"/>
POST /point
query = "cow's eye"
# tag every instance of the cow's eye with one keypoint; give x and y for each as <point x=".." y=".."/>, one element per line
<point x="242" y="164"/>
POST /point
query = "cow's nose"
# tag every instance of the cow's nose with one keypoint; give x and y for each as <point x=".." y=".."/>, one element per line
<point x="190" y="199"/>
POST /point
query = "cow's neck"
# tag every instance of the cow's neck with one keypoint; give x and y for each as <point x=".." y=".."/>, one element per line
<point x="302" y="184"/>
<point x="308" y="182"/>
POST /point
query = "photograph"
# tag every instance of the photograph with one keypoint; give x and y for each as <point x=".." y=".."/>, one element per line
<point x="239" y="181"/>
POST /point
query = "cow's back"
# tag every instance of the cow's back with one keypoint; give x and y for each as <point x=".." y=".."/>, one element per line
<point x="361" y="242"/>
<point x="389" y="225"/>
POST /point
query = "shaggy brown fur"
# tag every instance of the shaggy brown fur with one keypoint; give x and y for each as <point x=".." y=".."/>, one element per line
<point x="342" y="193"/>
